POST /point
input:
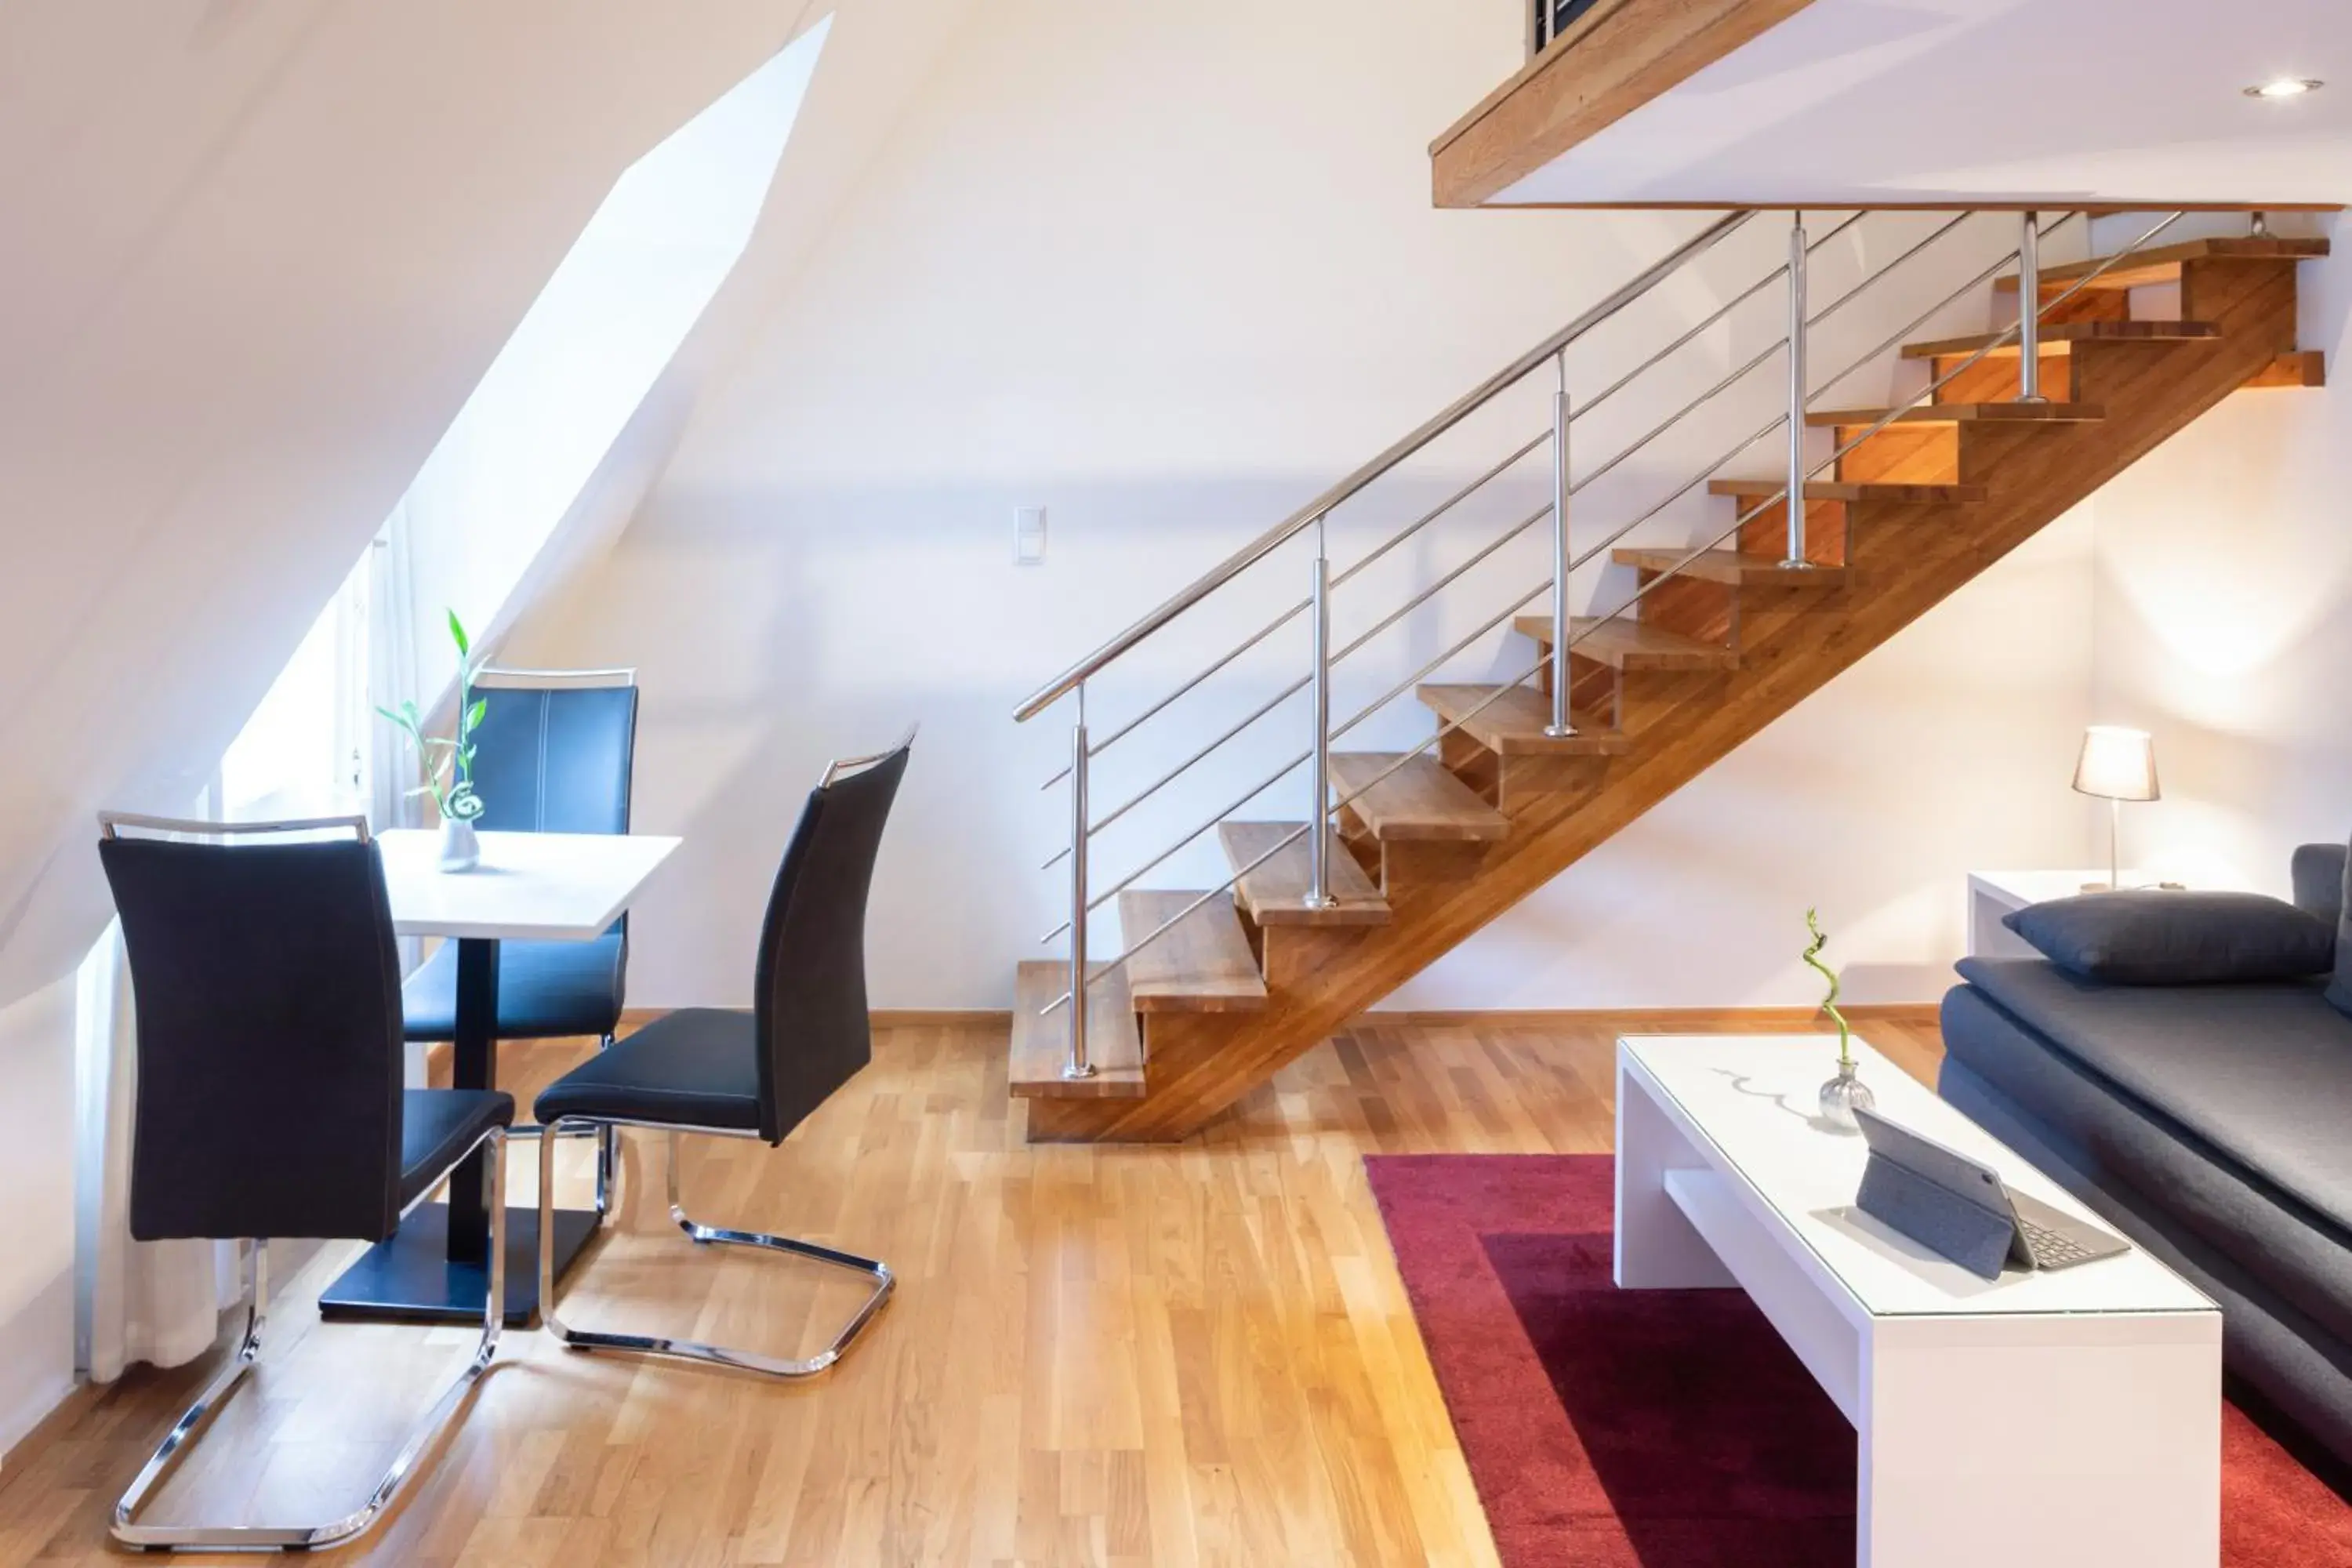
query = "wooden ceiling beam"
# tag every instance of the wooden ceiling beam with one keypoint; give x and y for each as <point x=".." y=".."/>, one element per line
<point x="1607" y="63"/>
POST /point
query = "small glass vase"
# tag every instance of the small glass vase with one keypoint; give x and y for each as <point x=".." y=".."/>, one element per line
<point x="461" y="847"/>
<point x="1843" y="1096"/>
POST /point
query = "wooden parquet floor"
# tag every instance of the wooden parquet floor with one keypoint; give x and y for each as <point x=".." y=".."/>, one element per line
<point x="1178" y="1356"/>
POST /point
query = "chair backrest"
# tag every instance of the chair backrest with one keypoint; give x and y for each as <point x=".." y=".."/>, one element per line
<point x="809" y="999"/>
<point x="554" y="751"/>
<point x="267" y="988"/>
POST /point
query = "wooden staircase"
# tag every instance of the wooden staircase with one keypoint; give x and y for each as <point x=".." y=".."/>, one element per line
<point x="1719" y="649"/>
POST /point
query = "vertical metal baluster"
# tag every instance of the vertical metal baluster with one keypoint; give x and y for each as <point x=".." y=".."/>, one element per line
<point x="1559" y="725"/>
<point x="1795" y="499"/>
<point x="1079" y="1066"/>
<point x="1318" y="874"/>
<point x="2029" y="311"/>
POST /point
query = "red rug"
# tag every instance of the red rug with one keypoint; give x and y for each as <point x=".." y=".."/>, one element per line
<point x="1672" y="1428"/>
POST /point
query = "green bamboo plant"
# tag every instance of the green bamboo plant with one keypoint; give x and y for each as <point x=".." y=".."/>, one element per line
<point x="448" y="764"/>
<point x="1813" y="956"/>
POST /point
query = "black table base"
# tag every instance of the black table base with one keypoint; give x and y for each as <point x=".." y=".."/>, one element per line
<point x="412" y="1278"/>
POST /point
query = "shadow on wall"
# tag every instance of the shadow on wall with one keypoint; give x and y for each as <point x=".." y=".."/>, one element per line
<point x="2224" y="613"/>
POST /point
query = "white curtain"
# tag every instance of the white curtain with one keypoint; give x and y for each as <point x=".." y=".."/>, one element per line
<point x="393" y="676"/>
<point x="393" y="679"/>
<point x="157" y="1301"/>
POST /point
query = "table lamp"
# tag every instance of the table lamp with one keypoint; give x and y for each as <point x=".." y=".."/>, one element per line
<point x="2117" y="765"/>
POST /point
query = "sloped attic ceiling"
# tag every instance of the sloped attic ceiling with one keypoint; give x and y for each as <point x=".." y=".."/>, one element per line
<point x="259" y="252"/>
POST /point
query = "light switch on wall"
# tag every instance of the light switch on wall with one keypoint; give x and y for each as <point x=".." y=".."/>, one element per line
<point x="1029" y="536"/>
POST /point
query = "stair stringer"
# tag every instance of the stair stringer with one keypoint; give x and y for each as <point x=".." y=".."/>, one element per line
<point x="1905" y="558"/>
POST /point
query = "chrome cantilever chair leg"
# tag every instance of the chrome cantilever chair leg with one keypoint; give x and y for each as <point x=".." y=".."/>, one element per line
<point x="422" y="1438"/>
<point x="692" y="1350"/>
<point x="608" y="1152"/>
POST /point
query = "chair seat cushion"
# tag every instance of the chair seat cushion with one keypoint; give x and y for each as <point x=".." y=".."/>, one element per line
<point x="436" y="1125"/>
<point x="695" y="1067"/>
<point x="547" y="990"/>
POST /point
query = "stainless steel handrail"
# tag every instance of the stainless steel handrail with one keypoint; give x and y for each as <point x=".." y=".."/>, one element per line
<point x="1577" y="634"/>
<point x="1283" y="771"/>
<point x="1585" y="558"/>
<point x="1446" y="420"/>
<point x="1303" y="605"/>
<point x="1409" y="530"/>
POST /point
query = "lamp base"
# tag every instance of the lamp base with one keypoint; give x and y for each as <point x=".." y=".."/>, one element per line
<point x="2098" y="887"/>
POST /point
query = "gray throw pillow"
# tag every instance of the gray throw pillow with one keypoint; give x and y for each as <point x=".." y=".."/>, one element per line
<point x="2153" y="937"/>
<point x="2339" y="987"/>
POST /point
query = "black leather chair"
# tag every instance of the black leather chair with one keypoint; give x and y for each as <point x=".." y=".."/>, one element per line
<point x="554" y="753"/>
<point x="757" y="1075"/>
<point x="270" y="1098"/>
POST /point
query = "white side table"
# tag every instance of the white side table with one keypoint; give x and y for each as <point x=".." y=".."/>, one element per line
<point x="1993" y="894"/>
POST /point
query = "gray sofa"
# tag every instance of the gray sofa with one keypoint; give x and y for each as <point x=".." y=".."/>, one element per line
<point x="2212" y="1125"/>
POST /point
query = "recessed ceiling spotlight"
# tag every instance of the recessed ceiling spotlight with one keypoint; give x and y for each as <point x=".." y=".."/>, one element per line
<point x="2286" y="87"/>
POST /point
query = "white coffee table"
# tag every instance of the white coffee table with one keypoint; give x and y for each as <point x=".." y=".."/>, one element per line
<point x="2069" y="1417"/>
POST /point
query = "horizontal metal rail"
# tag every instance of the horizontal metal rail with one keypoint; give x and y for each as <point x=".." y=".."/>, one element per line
<point x="1295" y="687"/>
<point x="1999" y="340"/>
<point x="1268" y="705"/>
<point x="1301" y="608"/>
<point x="1438" y="424"/>
<point x="1916" y="322"/>
<point x="1456" y="499"/>
<point x="1775" y="276"/>
<point x="1834" y="306"/>
<point x="1263" y="633"/>
<point x="1753" y="364"/>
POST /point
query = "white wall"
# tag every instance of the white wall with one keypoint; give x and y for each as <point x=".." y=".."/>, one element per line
<point x="2224" y="617"/>
<point x="37" y="1223"/>
<point x="1168" y="275"/>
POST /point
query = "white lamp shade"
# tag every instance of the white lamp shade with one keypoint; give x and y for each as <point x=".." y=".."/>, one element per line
<point x="2117" y="763"/>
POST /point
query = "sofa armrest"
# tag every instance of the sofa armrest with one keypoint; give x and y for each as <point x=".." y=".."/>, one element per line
<point x="2319" y="880"/>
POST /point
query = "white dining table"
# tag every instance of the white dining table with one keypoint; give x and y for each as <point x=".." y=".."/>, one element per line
<point x="536" y="886"/>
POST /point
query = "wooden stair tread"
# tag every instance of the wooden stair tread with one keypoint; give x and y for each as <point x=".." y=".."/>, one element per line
<point x="1420" y="800"/>
<point x="1512" y="725"/>
<point x="1275" y="893"/>
<point x="2161" y="263"/>
<point x="2301" y="367"/>
<point x="1730" y="567"/>
<point x="2050" y="413"/>
<point x="1202" y="965"/>
<point x="1621" y="642"/>
<point x="1041" y="1044"/>
<point x="2059" y="337"/>
<point x="1846" y="490"/>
